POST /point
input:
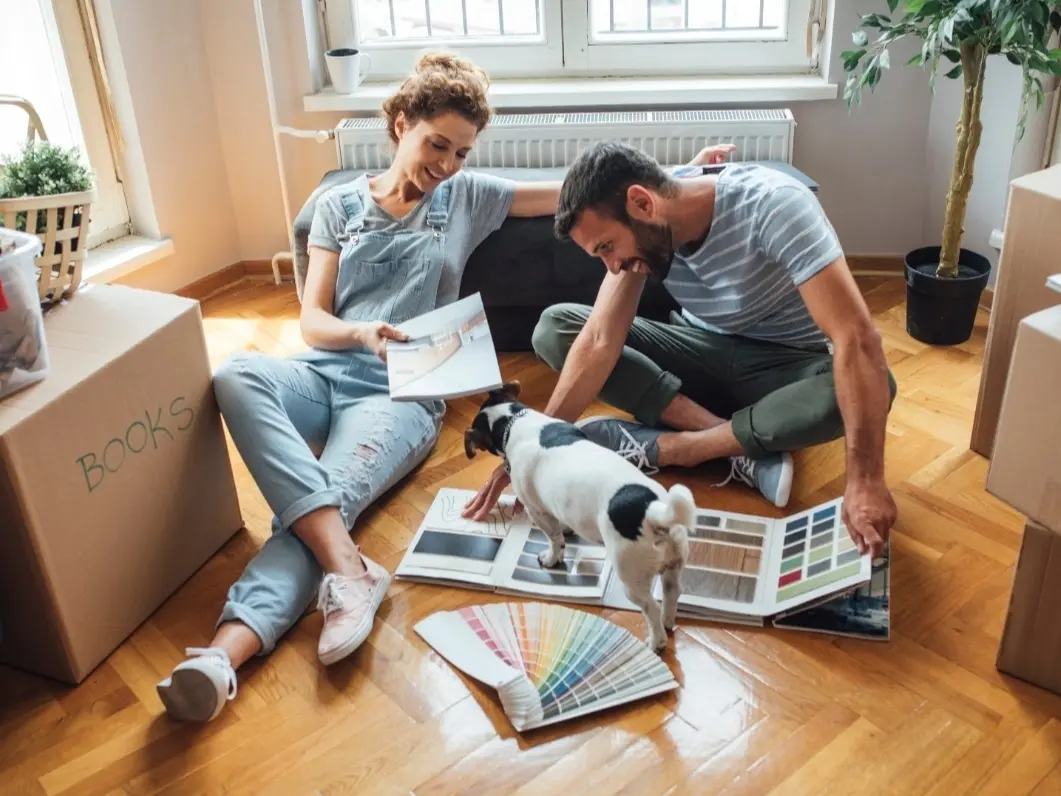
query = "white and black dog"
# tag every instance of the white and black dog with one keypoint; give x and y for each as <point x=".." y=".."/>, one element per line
<point x="567" y="482"/>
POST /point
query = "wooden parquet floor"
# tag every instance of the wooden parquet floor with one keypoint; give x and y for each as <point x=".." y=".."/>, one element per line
<point x="760" y="711"/>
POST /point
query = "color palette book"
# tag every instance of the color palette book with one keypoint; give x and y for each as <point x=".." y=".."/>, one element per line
<point x="741" y="569"/>
<point x="864" y="612"/>
<point x="761" y="567"/>
<point x="548" y="663"/>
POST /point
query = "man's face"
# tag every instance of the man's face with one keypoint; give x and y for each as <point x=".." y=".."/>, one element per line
<point x="644" y="247"/>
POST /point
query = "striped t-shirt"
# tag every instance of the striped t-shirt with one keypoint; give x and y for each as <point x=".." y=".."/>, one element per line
<point x="768" y="235"/>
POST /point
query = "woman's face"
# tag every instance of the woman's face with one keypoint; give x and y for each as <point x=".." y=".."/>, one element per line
<point x="431" y="151"/>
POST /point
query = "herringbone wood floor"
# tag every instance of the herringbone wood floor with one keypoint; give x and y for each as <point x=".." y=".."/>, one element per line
<point x="759" y="712"/>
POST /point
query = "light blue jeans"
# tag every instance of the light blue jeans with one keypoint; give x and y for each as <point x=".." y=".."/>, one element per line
<point x="275" y="409"/>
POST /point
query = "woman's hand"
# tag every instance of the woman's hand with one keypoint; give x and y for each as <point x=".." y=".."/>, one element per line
<point x="375" y="334"/>
<point x="713" y="155"/>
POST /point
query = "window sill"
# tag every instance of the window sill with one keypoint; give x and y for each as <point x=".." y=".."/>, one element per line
<point x="608" y="93"/>
<point x="123" y="256"/>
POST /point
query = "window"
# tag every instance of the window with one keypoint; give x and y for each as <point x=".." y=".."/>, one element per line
<point x="48" y="63"/>
<point x="542" y="38"/>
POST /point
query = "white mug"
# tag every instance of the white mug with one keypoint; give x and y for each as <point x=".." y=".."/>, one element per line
<point x="344" y="67"/>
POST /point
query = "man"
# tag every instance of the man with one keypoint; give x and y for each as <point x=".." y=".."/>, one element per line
<point x="775" y="349"/>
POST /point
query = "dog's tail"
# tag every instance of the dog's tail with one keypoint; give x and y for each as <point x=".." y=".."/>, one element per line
<point x="671" y="518"/>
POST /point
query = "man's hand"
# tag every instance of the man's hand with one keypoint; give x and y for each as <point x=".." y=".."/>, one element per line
<point x="869" y="513"/>
<point x="713" y="155"/>
<point x="486" y="498"/>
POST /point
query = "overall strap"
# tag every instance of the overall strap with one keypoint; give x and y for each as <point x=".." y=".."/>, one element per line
<point x="355" y="211"/>
<point x="438" y="213"/>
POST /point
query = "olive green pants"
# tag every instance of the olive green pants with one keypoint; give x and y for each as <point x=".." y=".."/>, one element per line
<point x="778" y="398"/>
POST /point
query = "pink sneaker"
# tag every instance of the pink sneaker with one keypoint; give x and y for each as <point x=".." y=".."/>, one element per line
<point x="349" y="606"/>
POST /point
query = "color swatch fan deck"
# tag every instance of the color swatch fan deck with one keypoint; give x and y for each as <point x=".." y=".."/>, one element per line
<point x="548" y="663"/>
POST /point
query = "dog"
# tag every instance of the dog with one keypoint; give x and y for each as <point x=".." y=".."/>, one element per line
<point x="566" y="481"/>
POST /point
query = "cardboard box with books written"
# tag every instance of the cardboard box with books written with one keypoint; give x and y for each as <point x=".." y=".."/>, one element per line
<point x="1025" y="470"/>
<point x="115" y="481"/>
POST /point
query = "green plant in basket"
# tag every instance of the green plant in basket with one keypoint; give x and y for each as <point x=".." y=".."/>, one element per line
<point x="959" y="36"/>
<point x="43" y="169"/>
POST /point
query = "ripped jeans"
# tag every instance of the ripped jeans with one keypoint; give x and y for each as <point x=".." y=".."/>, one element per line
<point x="275" y="409"/>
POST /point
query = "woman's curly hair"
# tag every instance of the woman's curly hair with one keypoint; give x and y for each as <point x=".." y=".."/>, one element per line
<point x="441" y="83"/>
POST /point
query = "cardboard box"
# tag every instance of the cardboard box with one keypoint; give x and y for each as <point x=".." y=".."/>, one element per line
<point x="1030" y="648"/>
<point x="1028" y="258"/>
<point x="115" y="481"/>
<point x="1025" y="470"/>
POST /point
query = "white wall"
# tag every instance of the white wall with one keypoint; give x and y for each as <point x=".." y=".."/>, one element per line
<point x="165" y="64"/>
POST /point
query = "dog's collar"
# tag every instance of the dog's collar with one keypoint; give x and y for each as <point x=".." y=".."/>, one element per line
<point x="504" y="438"/>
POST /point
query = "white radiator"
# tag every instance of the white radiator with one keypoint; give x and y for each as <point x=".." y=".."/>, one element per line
<point x="553" y="140"/>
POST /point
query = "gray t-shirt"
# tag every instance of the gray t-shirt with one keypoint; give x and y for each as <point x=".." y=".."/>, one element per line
<point x="768" y="236"/>
<point x="478" y="205"/>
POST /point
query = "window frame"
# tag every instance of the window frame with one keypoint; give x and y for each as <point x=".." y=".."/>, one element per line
<point x="569" y="49"/>
<point x="110" y="214"/>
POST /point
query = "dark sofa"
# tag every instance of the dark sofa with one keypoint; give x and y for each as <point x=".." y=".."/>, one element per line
<point x="521" y="268"/>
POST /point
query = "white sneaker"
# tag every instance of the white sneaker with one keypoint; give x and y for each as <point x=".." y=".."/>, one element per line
<point x="200" y="686"/>
<point x="349" y="606"/>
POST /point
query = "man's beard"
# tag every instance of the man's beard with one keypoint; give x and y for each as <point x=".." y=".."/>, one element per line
<point x="655" y="248"/>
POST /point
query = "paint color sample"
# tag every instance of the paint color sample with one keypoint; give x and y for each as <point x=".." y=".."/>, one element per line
<point x="845" y="543"/>
<point x="789" y="564"/>
<point x="745" y="526"/>
<point x="795" y="536"/>
<point x="718" y="585"/>
<point x="824" y="514"/>
<point x="833" y="575"/>
<point x="847" y="556"/>
<point x="727" y="557"/>
<point x="557" y="577"/>
<point x="821" y="526"/>
<point x="819" y="554"/>
<point x="726" y="536"/>
<point x="821" y="539"/>
<point x="791" y="577"/>
<point x="458" y="545"/>
<point x="800" y="522"/>
<point x="816" y="569"/>
<point x="708" y="520"/>
<point x="792" y="550"/>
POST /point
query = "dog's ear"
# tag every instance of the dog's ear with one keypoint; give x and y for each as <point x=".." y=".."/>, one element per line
<point x="475" y="439"/>
<point x="510" y="389"/>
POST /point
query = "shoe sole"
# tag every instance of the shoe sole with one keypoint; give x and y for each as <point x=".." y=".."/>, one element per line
<point x="352" y="643"/>
<point x="788" y="470"/>
<point x="190" y="696"/>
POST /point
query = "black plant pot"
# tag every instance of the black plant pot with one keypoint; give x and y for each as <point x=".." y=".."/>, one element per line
<point x="942" y="311"/>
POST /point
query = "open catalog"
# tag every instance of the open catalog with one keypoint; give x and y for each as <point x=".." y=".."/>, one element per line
<point x="741" y="568"/>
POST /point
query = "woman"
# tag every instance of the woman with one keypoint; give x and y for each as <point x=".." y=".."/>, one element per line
<point x="383" y="249"/>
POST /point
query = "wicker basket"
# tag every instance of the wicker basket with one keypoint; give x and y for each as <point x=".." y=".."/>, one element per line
<point x="62" y="257"/>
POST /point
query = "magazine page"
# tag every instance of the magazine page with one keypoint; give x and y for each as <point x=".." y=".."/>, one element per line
<point x="448" y="548"/>
<point x="818" y="558"/>
<point x="450" y="353"/>
<point x="582" y="577"/>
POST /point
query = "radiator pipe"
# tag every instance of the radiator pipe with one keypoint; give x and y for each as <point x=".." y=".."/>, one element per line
<point x="278" y="130"/>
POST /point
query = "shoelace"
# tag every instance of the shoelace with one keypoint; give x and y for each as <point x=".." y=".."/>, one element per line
<point x="636" y="452"/>
<point x="215" y="655"/>
<point x="741" y="468"/>
<point x="331" y="595"/>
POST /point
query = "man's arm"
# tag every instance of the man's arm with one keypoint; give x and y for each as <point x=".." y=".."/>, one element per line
<point x="863" y="395"/>
<point x="794" y="232"/>
<point x="860" y="369"/>
<point x="597" y="347"/>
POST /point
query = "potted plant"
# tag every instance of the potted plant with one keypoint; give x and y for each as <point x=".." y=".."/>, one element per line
<point x="47" y="190"/>
<point x="944" y="283"/>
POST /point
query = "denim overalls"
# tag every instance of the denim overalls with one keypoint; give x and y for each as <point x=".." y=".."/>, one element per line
<point x="274" y="407"/>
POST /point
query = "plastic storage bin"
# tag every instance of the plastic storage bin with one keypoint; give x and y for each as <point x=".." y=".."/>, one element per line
<point x="23" y="348"/>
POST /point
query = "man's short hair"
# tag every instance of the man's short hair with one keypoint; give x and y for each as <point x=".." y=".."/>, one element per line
<point x="599" y="179"/>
